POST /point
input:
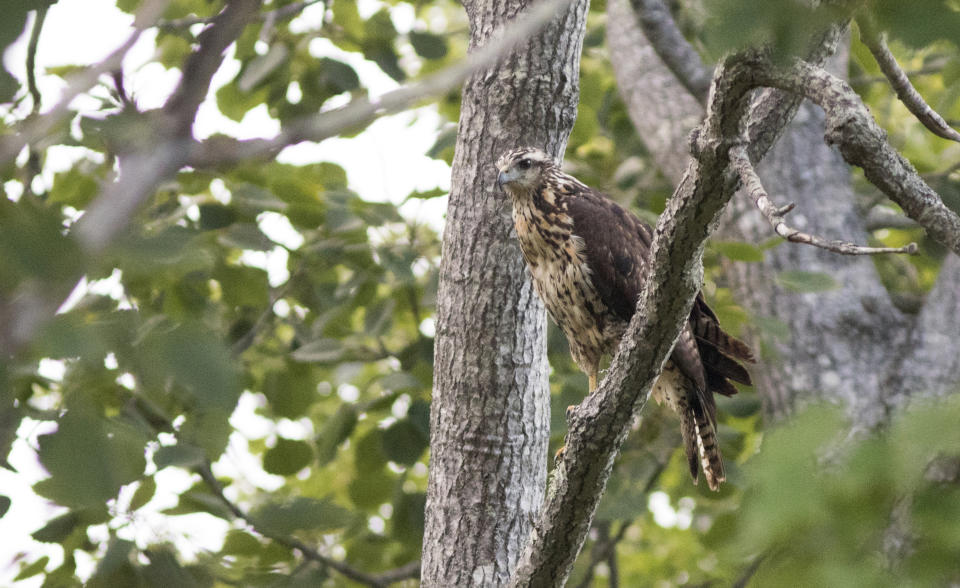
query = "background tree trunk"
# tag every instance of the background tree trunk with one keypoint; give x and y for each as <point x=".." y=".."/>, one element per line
<point x="490" y="411"/>
<point x="847" y="344"/>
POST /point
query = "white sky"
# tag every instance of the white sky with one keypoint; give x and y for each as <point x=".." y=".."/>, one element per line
<point x="385" y="162"/>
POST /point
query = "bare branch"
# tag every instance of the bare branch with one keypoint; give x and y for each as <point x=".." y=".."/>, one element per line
<point x="907" y="94"/>
<point x="675" y="51"/>
<point x="740" y="161"/>
<point x="411" y="570"/>
<point x="862" y="142"/>
<point x="221" y="152"/>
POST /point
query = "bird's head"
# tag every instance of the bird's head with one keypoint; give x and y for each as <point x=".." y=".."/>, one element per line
<point x="522" y="169"/>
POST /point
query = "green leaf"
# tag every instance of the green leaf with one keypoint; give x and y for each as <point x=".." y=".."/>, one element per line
<point x="181" y="455"/>
<point x="302" y="514"/>
<point x="739" y="251"/>
<point x="428" y="45"/>
<point x="238" y="542"/>
<point x="335" y="431"/>
<point x="370" y="455"/>
<point x="32" y="243"/>
<point x="115" y="568"/>
<point x="209" y="429"/>
<point x="234" y="103"/>
<point x="404" y="442"/>
<point x="164" y="570"/>
<point x="322" y="351"/>
<point x="73" y="188"/>
<point x="58" y="528"/>
<point x="406" y="524"/>
<point x="371" y="489"/>
<point x="37" y="567"/>
<point x="4" y="504"/>
<point x="144" y="493"/>
<point x="287" y="457"/>
<point x="200" y="499"/>
<point x="426" y="194"/>
<point x="243" y="286"/>
<point x="802" y="281"/>
<point x="246" y="236"/>
<point x="89" y="458"/>
<point x="216" y="216"/>
<point x="290" y="390"/>
<point x="193" y="358"/>
<point x="329" y="77"/>
<point x="920" y="22"/>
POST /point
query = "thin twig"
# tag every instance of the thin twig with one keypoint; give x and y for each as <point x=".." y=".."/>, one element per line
<point x="774" y="215"/>
<point x="33" y="166"/>
<point x="32" y="58"/>
<point x="408" y="571"/>
<point x="860" y="140"/>
<point x="912" y="99"/>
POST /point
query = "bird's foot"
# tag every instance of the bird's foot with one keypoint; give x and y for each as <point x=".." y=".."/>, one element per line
<point x="558" y="456"/>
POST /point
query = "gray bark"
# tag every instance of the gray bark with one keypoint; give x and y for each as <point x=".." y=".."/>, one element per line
<point x="490" y="411"/>
<point x="848" y="344"/>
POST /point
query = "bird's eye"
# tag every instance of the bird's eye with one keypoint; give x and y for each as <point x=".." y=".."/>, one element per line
<point x="524" y="164"/>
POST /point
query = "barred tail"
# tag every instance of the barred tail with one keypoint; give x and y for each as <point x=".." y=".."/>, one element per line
<point x="700" y="444"/>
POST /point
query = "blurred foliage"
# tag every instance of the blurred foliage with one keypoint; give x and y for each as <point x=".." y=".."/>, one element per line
<point x="299" y="361"/>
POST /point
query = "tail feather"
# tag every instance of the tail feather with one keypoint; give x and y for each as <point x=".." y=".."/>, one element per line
<point x="700" y="444"/>
<point x="718" y="363"/>
<point x="709" y="451"/>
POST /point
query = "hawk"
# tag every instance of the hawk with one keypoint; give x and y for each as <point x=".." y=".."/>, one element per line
<point x="588" y="257"/>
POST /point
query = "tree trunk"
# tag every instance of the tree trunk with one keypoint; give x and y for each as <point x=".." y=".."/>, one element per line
<point x="847" y="344"/>
<point x="490" y="410"/>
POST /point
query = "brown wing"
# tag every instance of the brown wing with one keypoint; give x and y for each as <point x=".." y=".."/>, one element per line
<point x="618" y="248"/>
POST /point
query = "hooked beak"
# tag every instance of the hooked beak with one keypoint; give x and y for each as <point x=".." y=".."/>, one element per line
<point x="501" y="179"/>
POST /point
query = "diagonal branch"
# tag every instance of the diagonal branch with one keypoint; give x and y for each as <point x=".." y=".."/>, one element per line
<point x="774" y="214"/>
<point x="907" y="94"/>
<point x="411" y="570"/>
<point x="223" y="152"/>
<point x="670" y="45"/>
<point x="861" y="141"/>
<point x="143" y="171"/>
